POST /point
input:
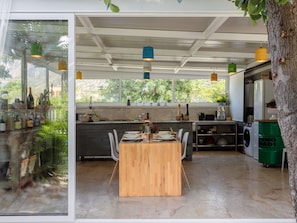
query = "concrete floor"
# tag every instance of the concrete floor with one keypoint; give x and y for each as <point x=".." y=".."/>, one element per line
<point x="224" y="184"/>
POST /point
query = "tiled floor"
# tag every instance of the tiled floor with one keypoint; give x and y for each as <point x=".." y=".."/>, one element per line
<point x="223" y="185"/>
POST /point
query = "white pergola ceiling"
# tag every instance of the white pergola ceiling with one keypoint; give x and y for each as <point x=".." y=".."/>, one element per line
<point x="112" y="45"/>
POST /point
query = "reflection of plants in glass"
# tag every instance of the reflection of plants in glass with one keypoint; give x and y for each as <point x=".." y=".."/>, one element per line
<point x="51" y="144"/>
<point x="4" y="73"/>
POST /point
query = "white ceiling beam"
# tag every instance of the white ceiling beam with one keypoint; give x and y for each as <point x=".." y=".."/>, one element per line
<point x="213" y="27"/>
<point x="174" y="34"/>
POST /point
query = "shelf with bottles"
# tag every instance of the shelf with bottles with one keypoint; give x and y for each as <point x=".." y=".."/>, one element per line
<point x="20" y="119"/>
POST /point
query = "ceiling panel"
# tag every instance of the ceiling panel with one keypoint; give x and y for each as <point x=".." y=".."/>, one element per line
<point x="181" y="44"/>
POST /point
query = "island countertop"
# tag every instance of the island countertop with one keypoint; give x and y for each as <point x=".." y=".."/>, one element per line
<point x="92" y="137"/>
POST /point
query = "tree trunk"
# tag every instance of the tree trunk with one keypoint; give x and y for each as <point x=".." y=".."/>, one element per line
<point x="282" y="38"/>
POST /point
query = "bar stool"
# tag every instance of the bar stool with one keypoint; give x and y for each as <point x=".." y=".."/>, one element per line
<point x="283" y="158"/>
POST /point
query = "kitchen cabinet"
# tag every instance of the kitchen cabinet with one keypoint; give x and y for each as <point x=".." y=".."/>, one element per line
<point x="92" y="137"/>
<point x="217" y="134"/>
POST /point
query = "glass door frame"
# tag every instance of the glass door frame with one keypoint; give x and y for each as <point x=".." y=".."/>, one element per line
<point x="70" y="217"/>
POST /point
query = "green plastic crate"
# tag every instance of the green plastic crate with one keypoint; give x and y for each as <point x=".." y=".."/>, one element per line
<point x="271" y="142"/>
<point x="269" y="129"/>
<point x="270" y="156"/>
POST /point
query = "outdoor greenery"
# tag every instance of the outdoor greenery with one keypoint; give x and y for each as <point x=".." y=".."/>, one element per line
<point x="51" y="144"/>
<point x="140" y="91"/>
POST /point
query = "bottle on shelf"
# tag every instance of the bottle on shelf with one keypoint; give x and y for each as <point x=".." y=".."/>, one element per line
<point x="178" y="116"/>
<point x="36" y="121"/>
<point x="128" y="101"/>
<point x="30" y="99"/>
<point x="147" y="119"/>
<point x="186" y="116"/>
<point x="17" y="122"/>
<point x="2" y="124"/>
<point x="30" y="120"/>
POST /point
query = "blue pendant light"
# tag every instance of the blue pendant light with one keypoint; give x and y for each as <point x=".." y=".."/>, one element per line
<point x="148" y="53"/>
<point x="146" y="75"/>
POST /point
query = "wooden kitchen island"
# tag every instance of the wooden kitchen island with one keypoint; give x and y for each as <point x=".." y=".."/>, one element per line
<point x="150" y="168"/>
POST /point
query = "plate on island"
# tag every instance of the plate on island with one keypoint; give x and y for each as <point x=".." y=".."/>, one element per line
<point x="132" y="132"/>
<point x="166" y="137"/>
<point x="130" y="135"/>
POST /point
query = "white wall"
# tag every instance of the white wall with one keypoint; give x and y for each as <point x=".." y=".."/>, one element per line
<point x="236" y="91"/>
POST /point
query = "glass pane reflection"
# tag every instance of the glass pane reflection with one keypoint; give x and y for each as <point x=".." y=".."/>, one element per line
<point x="33" y="141"/>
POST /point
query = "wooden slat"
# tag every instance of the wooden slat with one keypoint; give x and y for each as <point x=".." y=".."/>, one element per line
<point x="150" y="169"/>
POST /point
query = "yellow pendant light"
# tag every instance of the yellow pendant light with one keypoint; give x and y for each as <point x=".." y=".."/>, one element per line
<point x="62" y="65"/>
<point x="261" y="54"/>
<point x="213" y="77"/>
<point x="78" y="75"/>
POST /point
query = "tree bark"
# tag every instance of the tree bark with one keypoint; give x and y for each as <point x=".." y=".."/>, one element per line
<point x="282" y="38"/>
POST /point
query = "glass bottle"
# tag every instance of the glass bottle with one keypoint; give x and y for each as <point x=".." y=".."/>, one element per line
<point x="17" y="122"/>
<point x="30" y="99"/>
<point x="36" y="121"/>
<point x="30" y="120"/>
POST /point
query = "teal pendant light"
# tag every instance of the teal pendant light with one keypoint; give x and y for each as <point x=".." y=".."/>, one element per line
<point x="146" y="75"/>
<point x="36" y="50"/>
<point x="231" y="68"/>
<point x="148" y="53"/>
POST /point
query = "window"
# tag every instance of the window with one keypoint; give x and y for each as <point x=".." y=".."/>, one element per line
<point x="35" y="140"/>
<point x="152" y="91"/>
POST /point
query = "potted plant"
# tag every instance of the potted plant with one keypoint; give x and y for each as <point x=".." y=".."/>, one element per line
<point x="223" y="99"/>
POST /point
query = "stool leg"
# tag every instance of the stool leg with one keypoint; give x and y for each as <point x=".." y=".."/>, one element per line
<point x="283" y="159"/>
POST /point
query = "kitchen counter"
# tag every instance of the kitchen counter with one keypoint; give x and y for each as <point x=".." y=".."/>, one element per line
<point x="92" y="137"/>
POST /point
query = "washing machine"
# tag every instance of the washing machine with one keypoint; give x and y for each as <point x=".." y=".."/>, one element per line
<point x="247" y="139"/>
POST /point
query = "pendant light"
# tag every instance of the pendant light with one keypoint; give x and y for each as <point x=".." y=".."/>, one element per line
<point x="213" y="77"/>
<point x="231" y="68"/>
<point x="146" y="75"/>
<point x="62" y="65"/>
<point x="261" y="54"/>
<point x="147" y="66"/>
<point x="78" y="75"/>
<point x="36" y="50"/>
<point x="148" y="53"/>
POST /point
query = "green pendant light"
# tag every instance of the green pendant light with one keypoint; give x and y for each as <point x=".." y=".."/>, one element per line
<point x="231" y="68"/>
<point x="36" y="50"/>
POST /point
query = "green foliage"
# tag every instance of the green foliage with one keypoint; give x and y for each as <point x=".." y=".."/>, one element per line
<point x="4" y="72"/>
<point x="256" y="9"/>
<point x="114" y="91"/>
<point x="111" y="6"/>
<point x="51" y="144"/>
<point x="223" y="99"/>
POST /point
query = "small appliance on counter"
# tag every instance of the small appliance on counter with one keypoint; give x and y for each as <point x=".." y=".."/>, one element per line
<point x="221" y="114"/>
